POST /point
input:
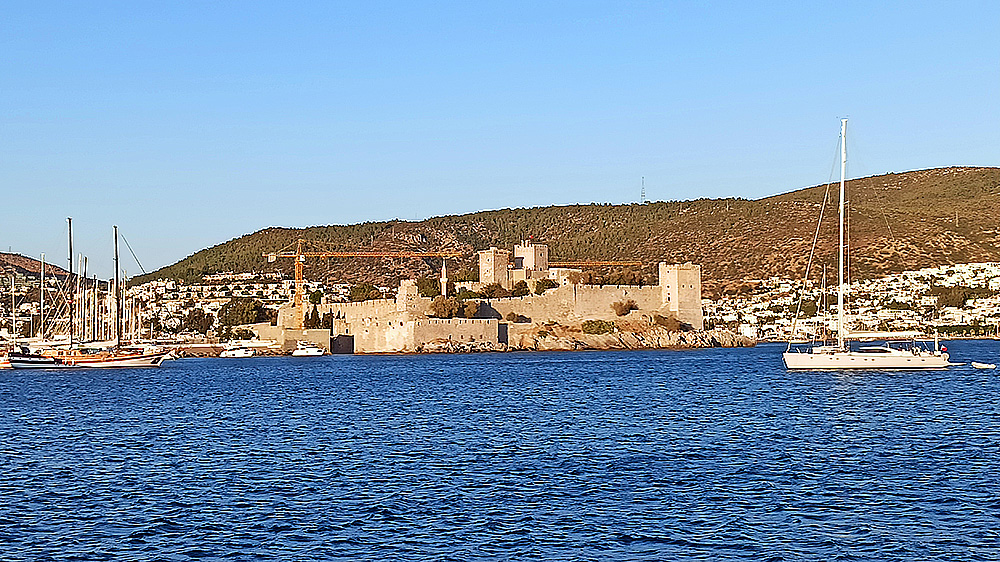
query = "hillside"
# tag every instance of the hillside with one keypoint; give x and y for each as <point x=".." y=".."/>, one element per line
<point x="18" y="264"/>
<point x="898" y="221"/>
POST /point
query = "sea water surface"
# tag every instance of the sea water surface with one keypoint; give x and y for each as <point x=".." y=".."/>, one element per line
<point x="645" y="455"/>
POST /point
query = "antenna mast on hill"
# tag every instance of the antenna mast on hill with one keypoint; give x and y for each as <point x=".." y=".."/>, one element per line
<point x="642" y="194"/>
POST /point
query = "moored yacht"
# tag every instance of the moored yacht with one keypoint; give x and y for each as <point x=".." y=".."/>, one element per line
<point x="75" y="356"/>
<point x="907" y="355"/>
<point x="237" y="351"/>
<point x="306" y="349"/>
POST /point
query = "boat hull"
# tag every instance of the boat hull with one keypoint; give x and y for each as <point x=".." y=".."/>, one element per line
<point x="29" y="361"/>
<point x="862" y="361"/>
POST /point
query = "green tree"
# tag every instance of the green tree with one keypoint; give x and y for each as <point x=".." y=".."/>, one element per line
<point x="429" y="287"/>
<point x="494" y="291"/>
<point x="466" y="274"/>
<point x="315" y="297"/>
<point x="243" y="310"/>
<point x="445" y="307"/>
<point x="808" y="309"/>
<point x="544" y="284"/>
<point x="622" y="308"/>
<point x="466" y="294"/>
<point x="598" y="327"/>
<point x="470" y="309"/>
<point x="312" y="320"/>
<point x="520" y="289"/>
<point x="364" y="292"/>
<point x="197" y="320"/>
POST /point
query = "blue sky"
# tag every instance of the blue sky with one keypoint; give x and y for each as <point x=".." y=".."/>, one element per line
<point x="191" y="123"/>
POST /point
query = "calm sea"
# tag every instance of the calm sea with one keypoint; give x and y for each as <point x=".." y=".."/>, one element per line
<point x="659" y="455"/>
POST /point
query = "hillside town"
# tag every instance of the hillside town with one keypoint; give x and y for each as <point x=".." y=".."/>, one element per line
<point x="959" y="299"/>
<point x="953" y="300"/>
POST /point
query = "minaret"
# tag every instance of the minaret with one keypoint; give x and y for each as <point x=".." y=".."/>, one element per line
<point x="444" y="276"/>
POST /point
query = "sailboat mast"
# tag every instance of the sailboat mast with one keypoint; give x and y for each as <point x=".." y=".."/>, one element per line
<point x="83" y="302"/>
<point x="840" y="290"/>
<point x="41" y="300"/>
<point x="69" y="280"/>
<point x="118" y="302"/>
<point x="13" y="316"/>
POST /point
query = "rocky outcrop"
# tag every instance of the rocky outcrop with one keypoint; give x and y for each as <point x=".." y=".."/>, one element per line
<point x="653" y="338"/>
<point x="451" y="346"/>
<point x="566" y="340"/>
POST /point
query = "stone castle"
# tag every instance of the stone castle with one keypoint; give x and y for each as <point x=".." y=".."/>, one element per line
<point x="405" y="323"/>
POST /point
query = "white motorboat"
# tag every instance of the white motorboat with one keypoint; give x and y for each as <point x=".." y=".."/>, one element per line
<point x="905" y="354"/>
<point x="306" y="349"/>
<point x="237" y="351"/>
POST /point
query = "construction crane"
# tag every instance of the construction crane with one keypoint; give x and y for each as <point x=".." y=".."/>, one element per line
<point x="593" y="263"/>
<point x="300" y="255"/>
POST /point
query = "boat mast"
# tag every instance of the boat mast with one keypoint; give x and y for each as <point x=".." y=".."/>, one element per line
<point x="840" y="289"/>
<point x="83" y="302"/>
<point x="41" y="300"/>
<point x="13" y="316"/>
<point x="69" y="280"/>
<point x="118" y="302"/>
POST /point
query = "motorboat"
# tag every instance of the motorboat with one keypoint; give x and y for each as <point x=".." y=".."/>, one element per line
<point x="306" y="349"/>
<point x="978" y="365"/>
<point x="237" y="351"/>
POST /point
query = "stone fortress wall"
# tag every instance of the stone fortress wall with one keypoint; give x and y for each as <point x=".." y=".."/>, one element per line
<point x="403" y="324"/>
<point x="575" y="303"/>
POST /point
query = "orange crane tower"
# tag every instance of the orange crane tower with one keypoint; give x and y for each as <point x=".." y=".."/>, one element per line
<point x="300" y="256"/>
<point x="592" y="263"/>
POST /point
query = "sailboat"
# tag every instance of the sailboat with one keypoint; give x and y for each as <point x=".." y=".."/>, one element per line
<point x="910" y="355"/>
<point x="77" y="357"/>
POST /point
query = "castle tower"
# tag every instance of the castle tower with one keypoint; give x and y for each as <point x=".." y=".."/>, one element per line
<point x="530" y="256"/>
<point x="407" y="296"/>
<point x="680" y="286"/>
<point x="493" y="265"/>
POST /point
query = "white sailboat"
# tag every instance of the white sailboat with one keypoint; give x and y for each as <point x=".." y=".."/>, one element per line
<point x="907" y="354"/>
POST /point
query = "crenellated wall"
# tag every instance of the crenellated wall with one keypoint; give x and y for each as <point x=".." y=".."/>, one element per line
<point x="574" y="303"/>
<point x="401" y="324"/>
<point x="406" y="335"/>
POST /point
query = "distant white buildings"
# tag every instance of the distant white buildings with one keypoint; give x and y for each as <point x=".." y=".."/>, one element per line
<point x="901" y="301"/>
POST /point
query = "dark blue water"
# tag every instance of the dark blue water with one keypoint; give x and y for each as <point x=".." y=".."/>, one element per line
<point x="715" y="454"/>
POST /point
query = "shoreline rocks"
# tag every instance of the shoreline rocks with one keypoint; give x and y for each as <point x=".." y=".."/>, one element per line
<point x="653" y="338"/>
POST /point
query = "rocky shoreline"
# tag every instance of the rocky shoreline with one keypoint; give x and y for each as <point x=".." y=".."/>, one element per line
<point x="567" y="340"/>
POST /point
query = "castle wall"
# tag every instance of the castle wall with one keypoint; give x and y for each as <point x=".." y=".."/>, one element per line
<point x="575" y="303"/>
<point x="398" y="335"/>
<point x="287" y="337"/>
<point x="458" y="329"/>
<point x="401" y="325"/>
<point x="356" y="311"/>
<point x="382" y="335"/>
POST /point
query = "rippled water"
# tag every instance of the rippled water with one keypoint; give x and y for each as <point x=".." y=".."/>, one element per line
<point x="714" y="454"/>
